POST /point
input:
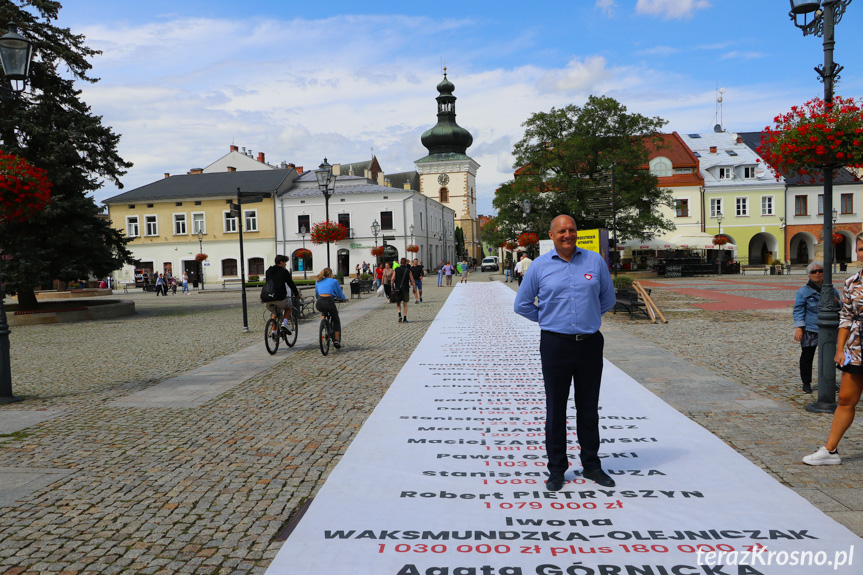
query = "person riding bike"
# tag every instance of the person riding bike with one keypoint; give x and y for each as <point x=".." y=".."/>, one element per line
<point x="327" y="291"/>
<point x="274" y="294"/>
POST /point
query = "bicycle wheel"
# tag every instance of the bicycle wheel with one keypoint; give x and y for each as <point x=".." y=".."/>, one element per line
<point x="291" y="339"/>
<point x="271" y="335"/>
<point x="324" y="337"/>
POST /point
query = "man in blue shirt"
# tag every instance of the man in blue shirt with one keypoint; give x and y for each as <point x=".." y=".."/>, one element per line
<point x="573" y="288"/>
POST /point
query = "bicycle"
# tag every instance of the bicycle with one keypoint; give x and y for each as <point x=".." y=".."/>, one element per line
<point x="326" y="331"/>
<point x="274" y="333"/>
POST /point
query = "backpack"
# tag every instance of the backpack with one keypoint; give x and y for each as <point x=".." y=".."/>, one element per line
<point x="269" y="291"/>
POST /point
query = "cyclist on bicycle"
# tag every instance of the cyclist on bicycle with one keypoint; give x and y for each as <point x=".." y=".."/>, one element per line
<point x="274" y="294"/>
<point x="327" y="291"/>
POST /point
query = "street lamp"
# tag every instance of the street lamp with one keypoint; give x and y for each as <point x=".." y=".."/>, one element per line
<point x="525" y="210"/>
<point x="719" y="224"/>
<point x="411" y="230"/>
<point x="825" y="15"/>
<point x="835" y="217"/>
<point x="303" y="234"/>
<point x="376" y="229"/>
<point x="327" y="185"/>
<point x="16" y="52"/>
<point x="200" y="251"/>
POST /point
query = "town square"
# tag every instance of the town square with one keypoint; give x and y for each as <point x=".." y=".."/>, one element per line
<point x="431" y="290"/>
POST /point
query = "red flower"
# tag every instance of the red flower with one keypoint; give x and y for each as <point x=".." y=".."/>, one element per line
<point x="328" y="232"/>
<point x="303" y="253"/>
<point x="528" y="239"/>
<point x="378" y="251"/>
<point x="412" y="248"/>
<point x="200" y="257"/>
<point x="24" y="189"/>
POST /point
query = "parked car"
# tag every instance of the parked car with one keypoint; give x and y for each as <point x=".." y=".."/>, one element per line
<point x="489" y="264"/>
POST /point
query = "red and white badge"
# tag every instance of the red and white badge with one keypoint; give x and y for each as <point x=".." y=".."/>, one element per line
<point x="588" y="276"/>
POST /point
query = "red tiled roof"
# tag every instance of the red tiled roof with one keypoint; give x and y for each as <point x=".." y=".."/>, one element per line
<point x="674" y="148"/>
<point x="681" y="180"/>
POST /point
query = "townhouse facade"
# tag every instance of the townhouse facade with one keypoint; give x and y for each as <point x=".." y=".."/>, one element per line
<point x="742" y="199"/>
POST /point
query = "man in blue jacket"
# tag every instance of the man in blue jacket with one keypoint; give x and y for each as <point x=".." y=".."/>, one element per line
<point x="574" y="288"/>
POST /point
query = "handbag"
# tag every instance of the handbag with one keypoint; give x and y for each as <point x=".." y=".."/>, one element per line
<point x="381" y="291"/>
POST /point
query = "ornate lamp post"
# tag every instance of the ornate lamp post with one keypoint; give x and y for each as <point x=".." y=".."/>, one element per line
<point x="327" y="185"/>
<point x="376" y="229"/>
<point x="411" y="230"/>
<point x="200" y="251"/>
<point x="719" y="224"/>
<point x="525" y="210"/>
<point x="825" y="15"/>
<point x="16" y="52"/>
<point x="835" y="217"/>
<point x="303" y="232"/>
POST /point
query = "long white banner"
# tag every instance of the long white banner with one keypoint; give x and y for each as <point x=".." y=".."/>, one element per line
<point x="447" y="477"/>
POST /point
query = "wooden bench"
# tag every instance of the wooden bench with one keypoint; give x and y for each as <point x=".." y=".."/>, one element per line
<point x="231" y="281"/>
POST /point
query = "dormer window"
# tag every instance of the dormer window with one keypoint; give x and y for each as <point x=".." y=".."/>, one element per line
<point x="749" y="172"/>
<point x="726" y="173"/>
<point x="660" y="167"/>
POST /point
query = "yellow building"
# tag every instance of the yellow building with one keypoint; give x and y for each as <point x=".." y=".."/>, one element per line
<point x="164" y="218"/>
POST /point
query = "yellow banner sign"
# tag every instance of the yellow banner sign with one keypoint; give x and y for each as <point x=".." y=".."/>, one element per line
<point x="589" y="240"/>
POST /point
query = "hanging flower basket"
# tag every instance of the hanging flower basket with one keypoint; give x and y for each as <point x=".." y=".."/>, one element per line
<point x="303" y="253"/>
<point x="838" y="239"/>
<point x="24" y="189"/>
<point x="328" y="232"/>
<point x="813" y="137"/>
<point x="200" y="257"/>
<point x="412" y="248"/>
<point x="528" y="239"/>
<point x="720" y="241"/>
<point x="378" y="251"/>
<point x="510" y="245"/>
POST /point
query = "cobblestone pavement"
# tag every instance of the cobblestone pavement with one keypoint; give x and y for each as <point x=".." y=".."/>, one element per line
<point x="202" y="490"/>
<point x="206" y="489"/>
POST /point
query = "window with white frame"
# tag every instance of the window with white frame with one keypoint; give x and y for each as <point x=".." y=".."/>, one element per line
<point x="199" y="223"/>
<point x="820" y="204"/>
<point x="151" y="226"/>
<point x="180" y="225"/>
<point x="767" y="206"/>
<point x="715" y="207"/>
<point x="660" y="167"/>
<point x="726" y="173"/>
<point x="749" y="172"/>
<point x="251" y="220"/>
<point x="742" y="206"/>
<point x="133" y="229"/>
<point x="230" y="223"/>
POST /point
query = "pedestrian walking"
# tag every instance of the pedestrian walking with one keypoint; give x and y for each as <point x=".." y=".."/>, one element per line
<point x="507" y="271"/>
<point x="387" y="278"/>
<point x="418" y="273"/>
<point x="402" y="283"/>
<point x="576" y="290"/>
<point x="379" y="276"/>
<point x="849" y="359"/>
<point x="448" y="270"/>
<point x="185" y="283"/>
<point x="160" y="284"/>
<point x="440" y="274"/>
<point x="465" y="271"/>
<point x="806" y="305"/>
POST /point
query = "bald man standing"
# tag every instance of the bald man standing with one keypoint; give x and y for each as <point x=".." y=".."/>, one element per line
<point x="573" y="288"/>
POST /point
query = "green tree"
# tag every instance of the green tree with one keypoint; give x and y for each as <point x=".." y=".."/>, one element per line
<point x="563" y="166"/>
<point x="459" y="243"/>
<point x="52" y="128"/>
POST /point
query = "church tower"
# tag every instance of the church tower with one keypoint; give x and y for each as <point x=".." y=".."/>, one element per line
<point x="447" y="173"/>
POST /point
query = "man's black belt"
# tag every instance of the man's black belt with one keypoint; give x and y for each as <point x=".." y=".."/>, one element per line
<point x="571" y="336"/>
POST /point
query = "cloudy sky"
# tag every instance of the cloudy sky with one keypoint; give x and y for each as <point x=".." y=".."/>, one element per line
<point x="181" y="80"/>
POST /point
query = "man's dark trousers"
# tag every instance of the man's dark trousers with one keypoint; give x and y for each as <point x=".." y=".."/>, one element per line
<point x="564" y="362"/>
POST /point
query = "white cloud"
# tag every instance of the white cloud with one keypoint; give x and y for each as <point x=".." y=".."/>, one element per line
<point x="607" y="6"/>
<point x="580" y="76"/>
<point x="659" y="51"/>
<point x="670" y="9"/>
<point x="738" y="55"/>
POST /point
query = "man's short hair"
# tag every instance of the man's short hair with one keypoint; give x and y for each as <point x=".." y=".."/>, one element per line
<point x="280" y="259"/>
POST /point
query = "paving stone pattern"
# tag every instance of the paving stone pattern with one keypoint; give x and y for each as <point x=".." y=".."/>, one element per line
<point x="206" y="489"/>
